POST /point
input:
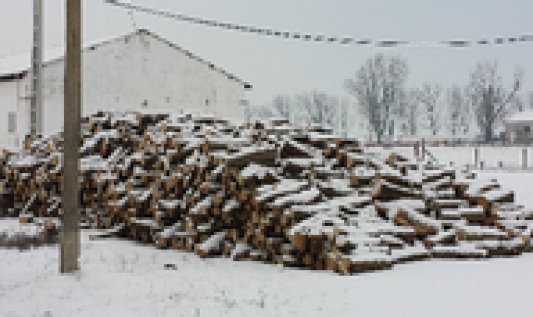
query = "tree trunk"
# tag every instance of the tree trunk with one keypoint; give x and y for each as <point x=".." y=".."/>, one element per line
<point x="488" y="133"/>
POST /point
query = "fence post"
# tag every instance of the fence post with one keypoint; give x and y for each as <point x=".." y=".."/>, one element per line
<point x="476" y="157"/>
<point x="524" y="158"/>
<point x="423" y="149"/>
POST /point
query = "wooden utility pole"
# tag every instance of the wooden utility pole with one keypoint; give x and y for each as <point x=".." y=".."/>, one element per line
<point x="70" y="235"/>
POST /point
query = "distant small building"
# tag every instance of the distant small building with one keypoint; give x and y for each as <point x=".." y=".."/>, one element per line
<point x="519" y="126"/>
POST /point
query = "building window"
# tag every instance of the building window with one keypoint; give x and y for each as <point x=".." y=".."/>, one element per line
<point x="11" y="122"/>
<point x="527" y="129"/>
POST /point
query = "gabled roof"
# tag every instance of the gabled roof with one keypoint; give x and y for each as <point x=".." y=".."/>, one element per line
<point x="520" y="117"/>
<point x="17" y="66"/>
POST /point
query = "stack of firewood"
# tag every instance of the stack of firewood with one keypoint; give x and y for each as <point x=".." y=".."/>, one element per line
<point x="265" y="191"/>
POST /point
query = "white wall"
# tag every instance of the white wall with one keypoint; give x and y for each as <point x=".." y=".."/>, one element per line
<point x="10" y="102"/>
<point x="139" y="69"/>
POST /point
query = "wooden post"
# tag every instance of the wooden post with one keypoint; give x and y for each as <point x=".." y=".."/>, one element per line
<point x="423" y="149"/>
<point x="70" y="236"/>
<point x="524" y="158"/>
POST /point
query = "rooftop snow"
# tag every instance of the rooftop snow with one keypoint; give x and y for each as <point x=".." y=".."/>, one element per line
<point x="520" y="117"/>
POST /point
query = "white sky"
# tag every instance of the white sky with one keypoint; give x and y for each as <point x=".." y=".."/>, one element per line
<point x="279" y="66"/>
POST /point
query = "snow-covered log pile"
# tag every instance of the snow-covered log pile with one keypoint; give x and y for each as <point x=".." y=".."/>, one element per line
<point x="265" y="191"/>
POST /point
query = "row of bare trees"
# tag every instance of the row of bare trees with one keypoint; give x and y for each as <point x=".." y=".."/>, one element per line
<point x="312" y="108"/>
<point x="391" y="108"/>
<point x="380" y="89"/>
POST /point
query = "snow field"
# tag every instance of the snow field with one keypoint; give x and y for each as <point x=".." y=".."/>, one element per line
<point x="123" y="278"/>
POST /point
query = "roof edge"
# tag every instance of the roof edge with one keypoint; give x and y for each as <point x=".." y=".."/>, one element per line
<point x="230" y="76"/>
<point x="92" y="46"/>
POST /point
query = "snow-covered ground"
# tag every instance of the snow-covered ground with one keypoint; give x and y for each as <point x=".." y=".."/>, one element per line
<point x="120" y="278"/>
<point x="520" y="183"/>
<point x="123" y="278"/>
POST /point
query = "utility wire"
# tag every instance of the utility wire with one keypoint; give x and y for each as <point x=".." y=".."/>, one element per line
<point x="318" y="37"/>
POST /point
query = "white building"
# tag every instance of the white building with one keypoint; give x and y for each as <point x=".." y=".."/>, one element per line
<point x="136" y="71"/>
<point x="519" y="127"/>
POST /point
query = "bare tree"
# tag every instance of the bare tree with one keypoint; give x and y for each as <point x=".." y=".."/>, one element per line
<point x="408" y="114"/>
<point x="518" y="103"/>
<point x="490" y="100"/>
<point x="282" y="106"/>
<point x="428" y="98"/>
<point x="459" y="111"/>
<point x="313" y="108"/>
<point x="261" y="112"/>
<point x="343" y="116"/>
<point x="318" y="108"/>
<point x="378" y="87"/>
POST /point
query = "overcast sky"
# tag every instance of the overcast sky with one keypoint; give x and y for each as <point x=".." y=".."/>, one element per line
<point x="279" y="66"/>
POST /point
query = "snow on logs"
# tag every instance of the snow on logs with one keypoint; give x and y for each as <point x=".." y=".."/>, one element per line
<point x="265" y="191"/>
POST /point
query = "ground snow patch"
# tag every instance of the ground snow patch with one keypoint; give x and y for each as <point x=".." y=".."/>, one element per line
<point x="122" y="278"/>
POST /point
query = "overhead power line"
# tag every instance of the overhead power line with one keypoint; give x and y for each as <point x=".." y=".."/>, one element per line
<point x="318" y="37"/>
